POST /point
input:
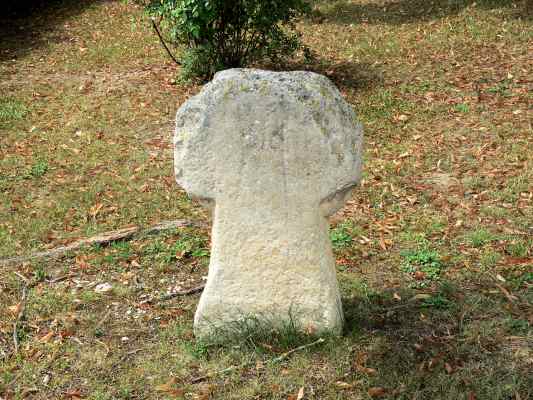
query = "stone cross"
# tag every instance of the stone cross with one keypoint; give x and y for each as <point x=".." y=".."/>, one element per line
<point x="273" y="155"/>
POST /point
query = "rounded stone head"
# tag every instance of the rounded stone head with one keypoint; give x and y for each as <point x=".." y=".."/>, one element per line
<point x="272" y="135"/>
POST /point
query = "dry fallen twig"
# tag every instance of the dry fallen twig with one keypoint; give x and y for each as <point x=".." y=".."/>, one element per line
<point x="104" y="238"/>
<point x="512" y="298"/>
<point x="187" y="292"/>
<point x="303" y="347"/>
<point x="244" y="364"/>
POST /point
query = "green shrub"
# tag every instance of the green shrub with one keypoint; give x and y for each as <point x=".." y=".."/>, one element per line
<point x="212" y="35"/>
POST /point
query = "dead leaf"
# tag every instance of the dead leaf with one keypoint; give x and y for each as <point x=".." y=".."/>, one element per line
<point x="418" y="347"/>
<point x="15" y="309"/>
<point x="170" y="388"/>
<point x="382" y="243"/>
<point x="343" y="385"/>
<point x="403" y="117"/>
<point x="421" y="296"/>
<point x="81" y="261"/>
<point x="420" y="276"/>
<point x="518" y="261"/>
<point x="376" y="392"/>
<point x="300" y="395"/>
<point x="73" y="395"/>
<point x="93" y="212"/>
<point x="365" y="370"/>
<point x="46" y="338"/>
<point x="65" y="333"/>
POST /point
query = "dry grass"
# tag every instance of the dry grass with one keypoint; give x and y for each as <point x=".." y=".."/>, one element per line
<point x="434" y="253"/>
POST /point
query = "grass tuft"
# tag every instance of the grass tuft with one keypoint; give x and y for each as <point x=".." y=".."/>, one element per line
<point x="11" y="110"/>
<point x="259" y="333"/>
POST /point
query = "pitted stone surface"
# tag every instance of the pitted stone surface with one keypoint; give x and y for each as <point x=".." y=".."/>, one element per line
<point x="272" y="154"/>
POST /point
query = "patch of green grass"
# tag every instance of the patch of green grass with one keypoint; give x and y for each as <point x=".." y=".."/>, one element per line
<point x="352" y="287"/>
<point x="385" y="104"/>
<point x="423" y="259"/>
<point x="517" y="326"/>
<point x="118" y="251"/>
<point x="38" y="169"/>
<point x="479" y="237"/>
<point x="501" y="88"/>
<point x="49" y="303"/>
<point x="462" y="108"/>
<point x="494" y="211"/>
<point x="519" y="184"/>
<point x="523" y="279"/>
<point x="475" y="183"/>
<point x="153" y="248"/>
<point x="11" y="110"/>
<point x="437" y="301"/>
<point x="489" y="258"/>
<point x="340" y="236"/>
<point x="89" y="296"/>
<point x="39" y="273"/>
<point x="260" y="333"/>
<point x="190" y="245"/>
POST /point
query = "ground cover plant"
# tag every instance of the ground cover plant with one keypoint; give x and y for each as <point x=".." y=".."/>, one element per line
<point x="214" y="35"/>
<point x="434" y="252"/>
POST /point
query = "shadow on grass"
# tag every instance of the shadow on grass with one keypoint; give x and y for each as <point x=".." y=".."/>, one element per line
<point x="26" y="25"/>
<point x="404" y="11"/>
<point x="451" y="345"/>
<point x="347" y="75"/>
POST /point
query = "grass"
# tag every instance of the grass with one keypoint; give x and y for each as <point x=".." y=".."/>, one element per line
<point x="434" y="252"/>
<point x="11" y="110"/>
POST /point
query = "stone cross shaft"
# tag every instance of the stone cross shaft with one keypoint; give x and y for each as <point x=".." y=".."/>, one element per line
<point x="273" y="155"/>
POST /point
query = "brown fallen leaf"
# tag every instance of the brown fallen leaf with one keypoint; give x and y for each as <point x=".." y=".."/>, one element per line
<point x="368" y="371"/>
<point x="365" y="370"/>
<point x="343" y="385"/>
<point x="420" y="276"/>
<point x="170" y="388"/>
<point x="94" y="210"/>
<point x="382" y="244"/>
<point x="81" y="261"/>
<point x="15" y="309"/>
<point x="74" y="395"/>
<point x="300" y="395"/>
<point x="46" y="338"/>
<point x="376" y="392"/>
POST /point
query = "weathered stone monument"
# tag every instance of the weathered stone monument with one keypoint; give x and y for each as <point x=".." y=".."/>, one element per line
<point x="273" y="155"/>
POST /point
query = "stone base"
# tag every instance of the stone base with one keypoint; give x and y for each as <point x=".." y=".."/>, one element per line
<point x="217" y="318"/>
